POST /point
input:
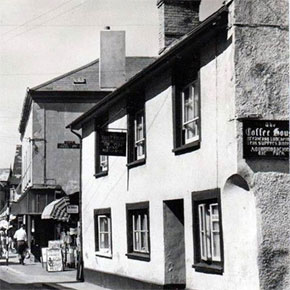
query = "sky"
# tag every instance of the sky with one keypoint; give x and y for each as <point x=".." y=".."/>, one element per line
<point x="42" y="39"/>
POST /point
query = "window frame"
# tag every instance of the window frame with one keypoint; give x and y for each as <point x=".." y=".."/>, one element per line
<point x="180" y="145"/>
<point x="202" y="262"/>
<point x="133" y="112"/>
<point x="98" y="162"/>
<point x="104" y="212"/>
<point x="137" y="209"/>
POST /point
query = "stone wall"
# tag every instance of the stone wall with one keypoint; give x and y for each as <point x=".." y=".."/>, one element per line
<point x="261" y="91"/>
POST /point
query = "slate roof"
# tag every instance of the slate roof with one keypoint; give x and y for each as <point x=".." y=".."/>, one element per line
<point x="90" y="73"/>
<point x="205" y="29"/>
<point x="66" y="82"/>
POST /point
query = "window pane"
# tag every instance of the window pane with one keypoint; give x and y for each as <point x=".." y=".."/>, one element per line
<point x="144" y="241"/>
<point x="216" y="247"/>
<point x="104" y="241"/>
<point x="103" y="224"/>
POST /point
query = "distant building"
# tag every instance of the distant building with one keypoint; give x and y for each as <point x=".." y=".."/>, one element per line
<point x="201" y="199"/>
<point x="15" y="178"/>
<point x="50" y="153"/>
<point x="4" y="185"/>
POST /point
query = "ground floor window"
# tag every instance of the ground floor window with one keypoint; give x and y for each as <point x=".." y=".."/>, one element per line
<point x="103" y="232"/>
<point x="207" y="231"/>
<point x="138" y="231"/>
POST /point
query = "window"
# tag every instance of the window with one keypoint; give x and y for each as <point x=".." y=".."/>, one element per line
<point x="101" y="161"/>
<point x="186" y="114"/>
<point x="190" y="113"/>
<point x="138" y="231"/>
<point x="136" y="137"/>
<point x="103" y="237"/>
<point x="208" y="232"/>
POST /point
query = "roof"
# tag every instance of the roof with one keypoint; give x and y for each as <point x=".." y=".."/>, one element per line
<point x="169" y="54"/>
<point x="84" y="79"/>
<point x="16" y="172"/>
<point x="4" y="174"/>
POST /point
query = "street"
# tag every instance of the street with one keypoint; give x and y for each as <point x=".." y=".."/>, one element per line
<point x="4" y="285"/>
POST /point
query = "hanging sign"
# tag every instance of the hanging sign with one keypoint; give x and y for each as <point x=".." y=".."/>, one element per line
<point x="54" y="260"/>
<point x="72" y="208"/>
<point x="68" y="145"/>
<point x="266" y="139"/>
<point x="112" y="143"/>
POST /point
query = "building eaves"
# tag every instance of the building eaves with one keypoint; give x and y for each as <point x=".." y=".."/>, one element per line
<point x="166" y="56"/>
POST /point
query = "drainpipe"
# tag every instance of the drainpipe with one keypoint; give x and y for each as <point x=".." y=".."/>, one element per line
<point x="80" y="267"/>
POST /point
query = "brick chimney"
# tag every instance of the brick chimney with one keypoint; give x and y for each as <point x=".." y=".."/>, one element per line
<point x="112" y="59"/>
<point x="176" y="18"/>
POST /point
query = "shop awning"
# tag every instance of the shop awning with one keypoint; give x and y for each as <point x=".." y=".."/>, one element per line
<point x="57" y="210"/>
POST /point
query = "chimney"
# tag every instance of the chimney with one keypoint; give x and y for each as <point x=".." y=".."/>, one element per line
<point x="112" y="59"/>
<point x="176" y="18"/>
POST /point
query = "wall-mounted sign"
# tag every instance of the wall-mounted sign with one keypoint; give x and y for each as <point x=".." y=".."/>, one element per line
<point x="54" y="260"/>
<point x="72" y="208"/>
<point x="265" y="139"/>
<point x="112" y="143"/>
<point x="68" y="145"/>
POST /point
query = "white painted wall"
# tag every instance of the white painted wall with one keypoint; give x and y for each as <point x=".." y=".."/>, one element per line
<point x="166" y="176"/>
<point x="27" y="154"/>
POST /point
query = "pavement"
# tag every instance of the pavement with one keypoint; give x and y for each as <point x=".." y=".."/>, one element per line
<point x="35" y="273"/>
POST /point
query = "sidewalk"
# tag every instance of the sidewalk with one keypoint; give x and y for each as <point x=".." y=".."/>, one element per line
<point x="33" y="272"/>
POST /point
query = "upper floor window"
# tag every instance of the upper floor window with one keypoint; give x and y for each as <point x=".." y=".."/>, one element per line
<point x="136" y="137"/>
<point x="139" y="126"/>
<point x="190" y="113"/>
<point x="186" y="112"/>
<point x="101" y="161"/>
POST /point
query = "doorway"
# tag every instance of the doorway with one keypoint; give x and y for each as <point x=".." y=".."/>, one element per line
<point x="174" y="244"/>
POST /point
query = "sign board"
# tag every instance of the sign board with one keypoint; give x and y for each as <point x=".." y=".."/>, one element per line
<point x="54" y="244"/>
<point x="54" y="260"/>
<point x="112" y="143"/>
<point x="68" y="145"/>
<point x="266" y="139"/>
<point x="43" y="254"/>
<point x="71" y="209"/>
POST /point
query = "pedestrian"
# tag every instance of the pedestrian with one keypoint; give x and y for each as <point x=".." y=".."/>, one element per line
<point x="21" y="238"/>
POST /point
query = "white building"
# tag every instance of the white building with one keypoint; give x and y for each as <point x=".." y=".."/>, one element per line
<point x="194" y="203"/>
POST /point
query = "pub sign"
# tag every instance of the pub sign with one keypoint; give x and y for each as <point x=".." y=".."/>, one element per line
<point x="112" y="143"/>
<point x="266" y="139"/>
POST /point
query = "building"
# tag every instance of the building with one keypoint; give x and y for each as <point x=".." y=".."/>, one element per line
<point x="50" y="153"/>
<point x="201" y="199"/>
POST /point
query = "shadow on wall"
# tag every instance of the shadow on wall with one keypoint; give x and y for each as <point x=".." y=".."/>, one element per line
<point x="263" y="165"/>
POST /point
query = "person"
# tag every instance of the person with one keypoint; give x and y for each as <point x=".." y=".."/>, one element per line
<point x="21" y="238"/>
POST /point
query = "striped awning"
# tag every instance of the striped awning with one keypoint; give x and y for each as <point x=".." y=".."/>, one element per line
<point x="57" y="210"/>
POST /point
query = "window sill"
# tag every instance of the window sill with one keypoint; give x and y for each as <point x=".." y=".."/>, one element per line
<point x="215" y="268"/>
<point x="139" y="256"/>
<point x="101" y="174"/>
<point x="103" y="255"/>
<point x="187" y="148"/>
<point x="136" y="163"/>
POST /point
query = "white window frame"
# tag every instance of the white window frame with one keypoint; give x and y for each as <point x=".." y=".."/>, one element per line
<point x="105" y="251"/>
<point x="104" y="161"/>
<point x="139" y="143"/>
<point x="194" y="96"/>
<point x="138" y="231"/>
<point x="206" y="219"/>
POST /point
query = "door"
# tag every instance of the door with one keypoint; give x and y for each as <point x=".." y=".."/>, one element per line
<point x="174" y="245"/>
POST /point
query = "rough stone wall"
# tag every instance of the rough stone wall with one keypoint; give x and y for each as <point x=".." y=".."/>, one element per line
<point x="261" y="90"/>
<point x="261" y="58"/>
<point x="272" y="192"/>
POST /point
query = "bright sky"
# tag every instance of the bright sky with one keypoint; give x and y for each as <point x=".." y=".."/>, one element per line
<point x="41" y="39"/>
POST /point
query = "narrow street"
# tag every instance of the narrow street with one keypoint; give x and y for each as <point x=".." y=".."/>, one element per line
<point x="5" y="285"/>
